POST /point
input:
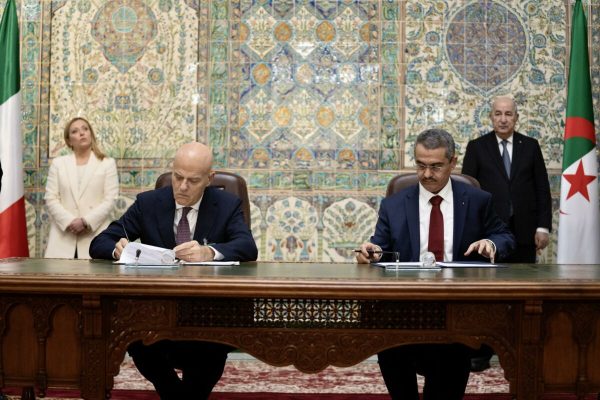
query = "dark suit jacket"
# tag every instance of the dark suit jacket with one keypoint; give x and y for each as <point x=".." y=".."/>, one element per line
<point x="397" y="228"/>
<point x="150" y="218"/>
<point x="527" y="189"/>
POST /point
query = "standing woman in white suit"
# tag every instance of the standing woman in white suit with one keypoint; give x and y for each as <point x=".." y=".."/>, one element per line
<point x="80" y="193"/>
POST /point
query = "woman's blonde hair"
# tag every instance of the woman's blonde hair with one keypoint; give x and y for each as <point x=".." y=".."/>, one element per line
<point x="97" y="152"/>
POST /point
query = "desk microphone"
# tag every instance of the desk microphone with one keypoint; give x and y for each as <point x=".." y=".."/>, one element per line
<point x="137" y="255"/>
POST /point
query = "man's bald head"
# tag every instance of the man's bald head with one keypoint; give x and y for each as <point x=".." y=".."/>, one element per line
<point x="192" y="172"/>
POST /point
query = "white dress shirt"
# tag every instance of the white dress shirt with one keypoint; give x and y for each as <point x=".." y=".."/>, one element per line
<point x="509" y="146"/>
<point x="447" y="208"/>
<point x="192" y="217"/>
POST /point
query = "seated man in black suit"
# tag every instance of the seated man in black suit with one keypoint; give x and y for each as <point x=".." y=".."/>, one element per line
<point x="411" y="222"/>
<point x="184" y="217"/>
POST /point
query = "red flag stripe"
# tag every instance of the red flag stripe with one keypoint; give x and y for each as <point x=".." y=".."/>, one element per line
<point x="13" y="242"/>
<point x="579" y="127"/>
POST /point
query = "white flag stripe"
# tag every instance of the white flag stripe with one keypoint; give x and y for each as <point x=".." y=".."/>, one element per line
<point x="579" y="219"/>
<point x="11" y="152"/>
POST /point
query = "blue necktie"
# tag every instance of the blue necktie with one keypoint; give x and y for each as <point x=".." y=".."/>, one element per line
<point x="505" y="157"/>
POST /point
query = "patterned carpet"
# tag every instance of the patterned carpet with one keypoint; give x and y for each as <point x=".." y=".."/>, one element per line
<point x="246" y="378"/>
<point x="246" y="375"/>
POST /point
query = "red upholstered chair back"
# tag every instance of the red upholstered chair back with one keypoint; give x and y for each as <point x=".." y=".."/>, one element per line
<point x="226" y="181"/>
<point x="402" y="181"/>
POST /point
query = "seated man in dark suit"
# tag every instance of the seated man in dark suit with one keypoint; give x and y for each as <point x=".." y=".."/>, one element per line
<point x="184" y="217"/>
<point x="456" y="222"/>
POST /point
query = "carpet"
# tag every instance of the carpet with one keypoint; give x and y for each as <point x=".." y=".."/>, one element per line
<point x="246" y="378"/>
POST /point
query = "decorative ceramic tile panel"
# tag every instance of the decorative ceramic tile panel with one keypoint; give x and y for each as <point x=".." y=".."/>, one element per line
<point x="344" y="222"/>
<point x="125" y="66"/>
<point x="462" y="53"/>
<point x="291" y="231"/>
<point x="315" y="102"/>
<point x="310" y="85"/>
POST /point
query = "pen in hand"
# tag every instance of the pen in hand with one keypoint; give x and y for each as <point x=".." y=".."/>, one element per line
<point x="375" y="251"/>
<point x="396" y="254"/>
<point x="125" y="230"/>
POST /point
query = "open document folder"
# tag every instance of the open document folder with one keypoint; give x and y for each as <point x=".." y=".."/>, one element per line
<point x="146" y="256"/>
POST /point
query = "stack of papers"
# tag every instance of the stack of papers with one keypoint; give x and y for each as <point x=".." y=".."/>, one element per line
<point x="146" y="256"/>
<point x="143" y="255"/>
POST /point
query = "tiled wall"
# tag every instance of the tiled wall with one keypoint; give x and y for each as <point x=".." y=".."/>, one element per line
<point x="316" y="103"/>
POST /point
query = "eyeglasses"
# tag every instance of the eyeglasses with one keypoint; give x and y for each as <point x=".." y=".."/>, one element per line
<point x="432" y="168"/>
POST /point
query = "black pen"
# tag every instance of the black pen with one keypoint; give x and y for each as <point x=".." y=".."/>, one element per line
<point x="375" y="251"/>
<point x="124" y="230"/>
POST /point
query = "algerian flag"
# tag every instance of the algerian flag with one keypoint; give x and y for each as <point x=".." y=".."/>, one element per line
<point x="13" y="227"/>
<point x="579" y="220"/>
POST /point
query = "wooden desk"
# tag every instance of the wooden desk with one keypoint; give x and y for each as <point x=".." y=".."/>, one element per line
<point x="67" y="323"/>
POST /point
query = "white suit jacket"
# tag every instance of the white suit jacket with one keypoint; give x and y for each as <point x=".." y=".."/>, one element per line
<point x="65" y="201"/>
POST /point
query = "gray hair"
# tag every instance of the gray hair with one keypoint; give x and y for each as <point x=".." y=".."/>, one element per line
<point x="437" y="138"/>
<point x="509" y="98"/>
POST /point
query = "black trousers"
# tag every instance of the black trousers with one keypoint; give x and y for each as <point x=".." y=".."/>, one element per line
<point x="445" y="367"/>
<point x="201" y="364"/>
<point x="524" y="253"/>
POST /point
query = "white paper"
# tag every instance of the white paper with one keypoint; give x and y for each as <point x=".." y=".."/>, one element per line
<point x="466" y="264"/>
<point x="405" y="266"/>
<point x="213" y="263"/>
<point x="147" y="255"/>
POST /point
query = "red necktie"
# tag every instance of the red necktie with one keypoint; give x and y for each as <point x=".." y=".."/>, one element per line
<point x="436" y="229"/>
<point x="183" y="227"/>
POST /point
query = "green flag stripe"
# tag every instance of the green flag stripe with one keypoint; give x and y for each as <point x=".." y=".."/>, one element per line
<point x="575" y="148"/>
<point x="10" y="79"/>
<point x="579" y="98"/>
<point x="579" y="95"/>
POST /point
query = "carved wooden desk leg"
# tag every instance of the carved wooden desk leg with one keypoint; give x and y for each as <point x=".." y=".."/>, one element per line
<point x="528" y="369"/>
<point x="93" y="375"/>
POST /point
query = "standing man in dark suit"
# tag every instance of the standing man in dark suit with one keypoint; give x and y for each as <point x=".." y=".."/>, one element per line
<point x="516" y="178"/>
<point x="200" y="223"/>
<point x="511" y="167"/>
<point x="456" y="222"/>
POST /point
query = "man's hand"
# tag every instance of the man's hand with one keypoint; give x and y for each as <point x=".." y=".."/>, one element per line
<point x="193" y="251"/>
<point x="541" y="240"/>
<point x="366" y="254"/>
<point x="119" y="248"/>
<point x="484" y="247"/>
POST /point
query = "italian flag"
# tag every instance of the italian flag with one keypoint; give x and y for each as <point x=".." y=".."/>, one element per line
<point x="13" y="227"/>
<point x="579" y="219"/>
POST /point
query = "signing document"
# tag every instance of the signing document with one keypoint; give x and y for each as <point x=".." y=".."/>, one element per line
<point x="138" y="254"/>
<point x="143" y="255"/>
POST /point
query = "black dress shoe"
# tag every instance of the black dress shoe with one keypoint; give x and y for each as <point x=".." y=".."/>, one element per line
<point x="479" y="364"/>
